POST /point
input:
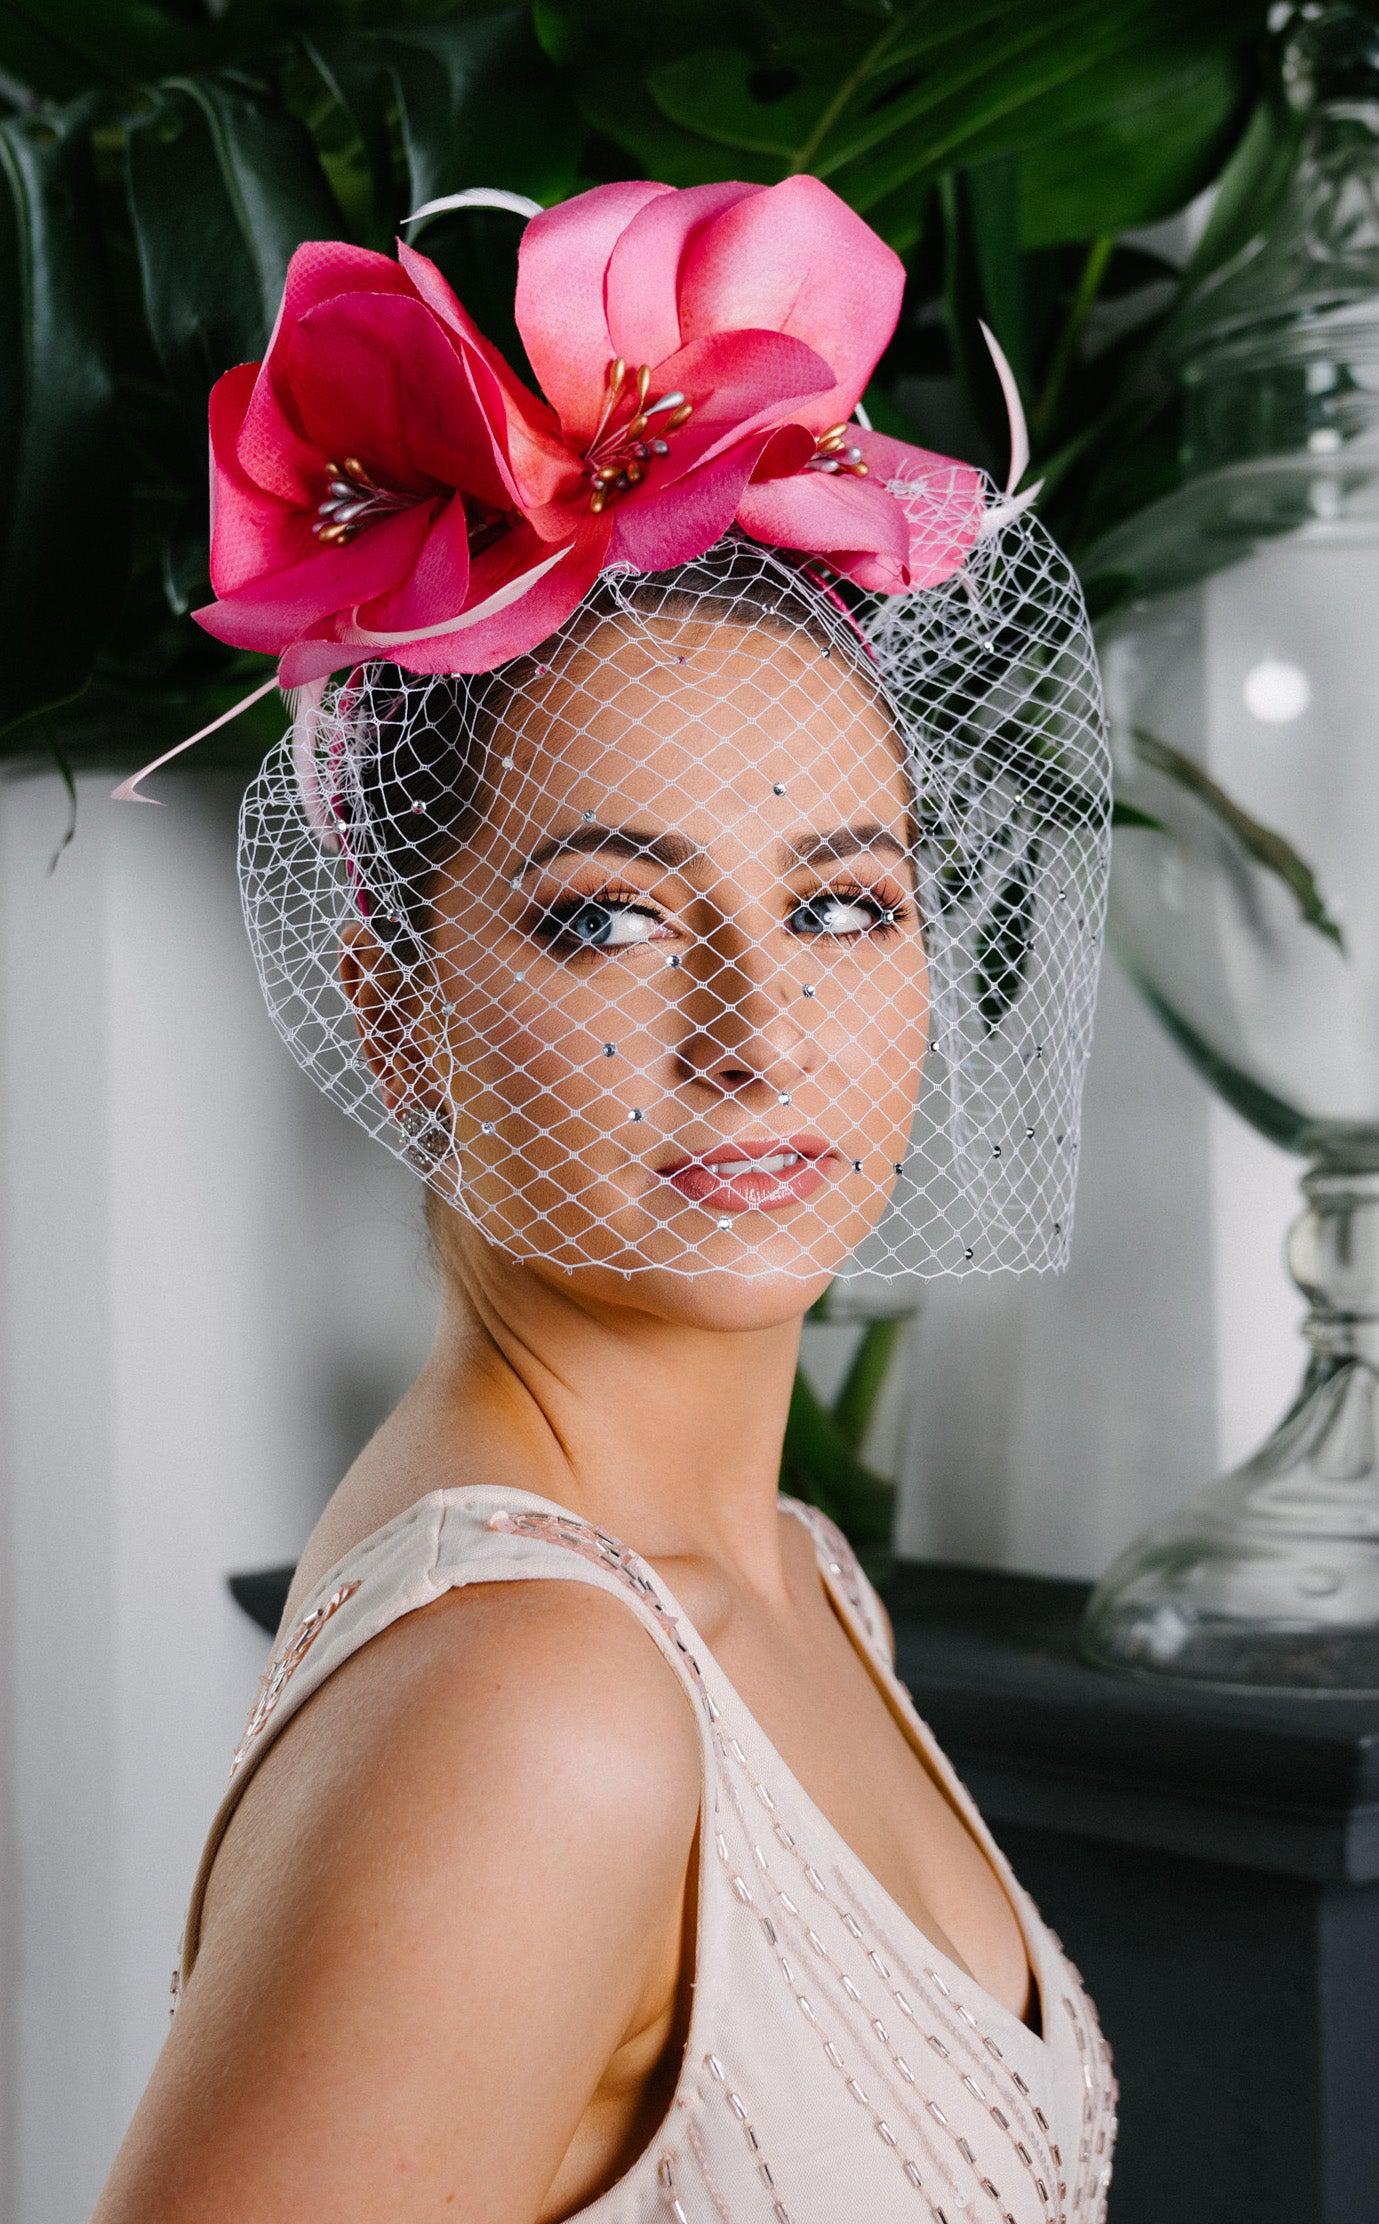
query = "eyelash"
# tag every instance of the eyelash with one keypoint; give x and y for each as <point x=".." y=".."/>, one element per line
<point x="551" y="919"/>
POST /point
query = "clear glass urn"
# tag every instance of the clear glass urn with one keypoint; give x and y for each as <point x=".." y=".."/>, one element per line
<point x="1241" y="661"/>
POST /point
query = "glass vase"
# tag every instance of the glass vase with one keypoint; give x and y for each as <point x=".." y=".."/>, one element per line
<point x="1240" y="653"/>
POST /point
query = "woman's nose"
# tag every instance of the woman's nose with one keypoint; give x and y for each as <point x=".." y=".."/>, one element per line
<point x="741" y="1029"/>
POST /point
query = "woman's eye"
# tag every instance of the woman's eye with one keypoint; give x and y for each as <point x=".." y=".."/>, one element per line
<point x="610" y="921"/>
<point x="597" y="923"/>
<point x="833" y="913"/>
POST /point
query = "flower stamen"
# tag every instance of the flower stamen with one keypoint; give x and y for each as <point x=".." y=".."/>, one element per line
<point x="353" y="500"/>
<point x="615" y="460"/>
<point x="833" y="451"/>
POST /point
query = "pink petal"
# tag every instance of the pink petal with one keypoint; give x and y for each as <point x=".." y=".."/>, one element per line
<point x="439" y="584"/>
<point x="272" y="611"/>
<point x="739" y="382"/>
<point x="524" y="623"/>
<point x="797" y="259"/>
<point x="567" y="512"/>
<point x="561" y="266"/>
<point x="536" y="452"/>
<point x="271" y="448"/>
<point x="314" y="657"/>
<point x="521" y="626"/>
<point x="251" y="532"/>
<point x="321" y="268"/>
<point x="379" y="378"/>
<point x="440" y="297"/>
<point x="644" y="269"/>
<point x="657" y="527"/>
<point x="788" y="450"/>
<point x="826" y="512"/>
<point x="876" y="573"/>
<point x="942" y="499"/>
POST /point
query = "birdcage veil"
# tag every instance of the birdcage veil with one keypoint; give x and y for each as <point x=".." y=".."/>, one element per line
<point x="689" y="848"/>
<point x="534" y="1091"/>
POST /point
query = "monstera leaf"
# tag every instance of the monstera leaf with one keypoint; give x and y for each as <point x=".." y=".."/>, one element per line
<point x="64" y="475"/>
<point x="1119" y="110"/>
<point x="145" y="227"/>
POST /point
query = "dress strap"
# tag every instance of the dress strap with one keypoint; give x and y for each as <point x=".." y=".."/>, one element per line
<point x="454" y="1536"/>
<point x="855" y="1584"/>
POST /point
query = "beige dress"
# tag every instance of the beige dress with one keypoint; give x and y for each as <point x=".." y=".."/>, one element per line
<point x="839" y="2069"/>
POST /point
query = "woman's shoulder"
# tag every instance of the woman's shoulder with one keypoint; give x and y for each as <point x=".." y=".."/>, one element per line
<point x="383" y="1527"/>
<point x="492" y="1690"/>
<point x="419" y="1636"/>
<point x="426" y="1842"/>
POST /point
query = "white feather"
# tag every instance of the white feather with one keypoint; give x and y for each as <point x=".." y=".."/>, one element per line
<point x="1019" y="436"/>
<point x="477" y="196"/>
<point x="1001" y="513"/>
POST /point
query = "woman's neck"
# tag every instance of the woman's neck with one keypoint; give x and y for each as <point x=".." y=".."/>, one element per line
<point x="666" y="1432"/>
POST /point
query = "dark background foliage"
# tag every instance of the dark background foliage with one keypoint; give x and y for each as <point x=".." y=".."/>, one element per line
<point x="159" y="160"/>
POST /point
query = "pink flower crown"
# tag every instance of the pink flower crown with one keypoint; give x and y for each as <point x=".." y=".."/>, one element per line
<point x="384" y="485"/>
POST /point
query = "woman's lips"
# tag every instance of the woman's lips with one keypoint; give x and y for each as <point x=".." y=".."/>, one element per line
<point x="786" y="1171"/>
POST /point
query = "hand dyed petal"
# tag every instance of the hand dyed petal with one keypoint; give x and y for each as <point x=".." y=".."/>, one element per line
<point x="318" y="654"/>
<point x="251" y="532"/>
<point x="642" y="286"/>
<point x="739" y="383"/>
<point x="438" y="585"/>
<point x="378" y="377"/>
<point x="321" y="268"/>
<point x="742" y="384"/>
<point x="561" y="265"/>
<point x="796" y="258"/>
<point x="828" y="513"/>
<point x="673" y="525"/>
<point x="271" y="448"/>
<point x="523" y="623"/>
<point x="942" y="499"/>
<point x="788" y="449"/>
<point x="536" y="451"/>
<point x="272" y="611"/>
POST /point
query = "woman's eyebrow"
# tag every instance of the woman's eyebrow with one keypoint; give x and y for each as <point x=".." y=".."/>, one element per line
<point x="846" y="841"/>
<point x="674" y="850"/>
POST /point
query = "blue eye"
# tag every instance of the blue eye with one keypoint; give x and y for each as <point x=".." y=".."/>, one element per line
<point x="595" y="923"/>
<point x="611" y="920"/>
<point x="847" y="912"/>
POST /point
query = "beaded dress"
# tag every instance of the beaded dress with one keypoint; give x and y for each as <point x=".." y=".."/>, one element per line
<point x="838" y="2068"/>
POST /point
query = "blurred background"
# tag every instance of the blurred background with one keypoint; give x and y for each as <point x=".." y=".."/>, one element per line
<point x="213" y="1288"/>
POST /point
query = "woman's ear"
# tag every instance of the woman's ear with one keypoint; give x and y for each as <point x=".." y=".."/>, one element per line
<point x="389" y="1015"/>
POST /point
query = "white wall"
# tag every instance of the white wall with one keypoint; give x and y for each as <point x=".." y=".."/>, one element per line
<point x="1055" y="1416"/>
<point x="212" y="1286"/>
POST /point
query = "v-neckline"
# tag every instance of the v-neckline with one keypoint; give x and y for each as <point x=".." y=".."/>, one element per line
<point x="927" y="1751"/>
<point x="930" y="1754"/>
<point x="918" y="1736"/>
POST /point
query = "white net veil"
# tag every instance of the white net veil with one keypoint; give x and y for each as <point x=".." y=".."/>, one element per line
<point x="736" y="928"/>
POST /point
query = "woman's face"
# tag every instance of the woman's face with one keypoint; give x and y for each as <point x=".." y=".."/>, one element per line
<point x="686" y="926"/>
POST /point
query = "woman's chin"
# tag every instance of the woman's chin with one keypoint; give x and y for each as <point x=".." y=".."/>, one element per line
<point x="738" y="1292"/>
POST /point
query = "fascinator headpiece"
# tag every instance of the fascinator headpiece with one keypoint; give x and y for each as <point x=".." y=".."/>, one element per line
<point x="689" y="846"/>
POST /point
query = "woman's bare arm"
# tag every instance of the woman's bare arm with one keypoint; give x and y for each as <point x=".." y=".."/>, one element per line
<point x="439" y="1907"/>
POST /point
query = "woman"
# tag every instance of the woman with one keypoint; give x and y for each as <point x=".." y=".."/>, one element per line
<point x="630" y="903"/>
